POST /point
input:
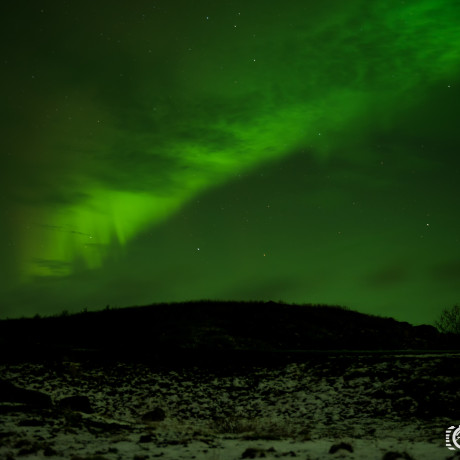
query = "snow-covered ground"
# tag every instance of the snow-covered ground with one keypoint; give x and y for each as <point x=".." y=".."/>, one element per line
<point x="335" y="407"/>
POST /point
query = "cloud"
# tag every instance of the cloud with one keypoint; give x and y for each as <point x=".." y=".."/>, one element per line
<point x="389" y="276"/>
<point x="52" y="267"/>
<point x="62" y="229"/>
<point x="447" y="272"/>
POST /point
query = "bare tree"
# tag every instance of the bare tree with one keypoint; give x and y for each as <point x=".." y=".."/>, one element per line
<point x="449" y="321"/>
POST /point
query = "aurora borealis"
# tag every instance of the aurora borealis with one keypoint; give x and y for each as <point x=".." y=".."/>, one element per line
<point x="176" y="150"/>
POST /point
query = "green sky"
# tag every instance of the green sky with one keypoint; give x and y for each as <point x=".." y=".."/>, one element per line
<point x="174" y="150"/>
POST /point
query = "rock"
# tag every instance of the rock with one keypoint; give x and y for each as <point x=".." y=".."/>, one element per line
<point x="146" y="438"/>
<point x="439" y="406"/>
<point x="405" y="405"/>
<point x="397" y="456"/>
<point x="73" y="419"/>
<point x="108" y="427"/>
<point x="76" y="403"/>
<point x="12" y="393"/>
<point x="155" y="415"/>
<point x="48" y="451"/>
<point x="26" y="447"/>
<point x="255" y="452"/>
<point x="341" y="446"/>
<point x="28" y="451"/>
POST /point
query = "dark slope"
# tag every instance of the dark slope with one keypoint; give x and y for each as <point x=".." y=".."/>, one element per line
<point x="182" y="330"/>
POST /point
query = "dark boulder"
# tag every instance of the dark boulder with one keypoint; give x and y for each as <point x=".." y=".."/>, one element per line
<point x="396" y="456"/>
<point x="146" y="438"/>
<point x="12" y="394"/>
<point x="155" y="415"/>
<point x="76" y="403"/>
<point x="341" y="446"/>
<point x="255" y="452"/>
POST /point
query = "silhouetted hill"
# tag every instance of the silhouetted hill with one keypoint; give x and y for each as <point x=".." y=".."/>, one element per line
<point x="205" y="328"/>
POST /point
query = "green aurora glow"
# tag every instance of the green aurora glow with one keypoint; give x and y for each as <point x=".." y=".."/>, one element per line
<point x="127" y="127"/>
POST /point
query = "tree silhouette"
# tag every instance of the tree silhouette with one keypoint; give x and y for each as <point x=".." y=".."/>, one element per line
<point x="449" y="321"/>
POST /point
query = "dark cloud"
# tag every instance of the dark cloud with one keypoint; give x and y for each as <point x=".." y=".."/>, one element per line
<point x="388" y="277"/>
<point x="58" y="228"/>
<point x="136" y="170"/>
<point x="53" y="267"/>
<point x="447" y="271"/>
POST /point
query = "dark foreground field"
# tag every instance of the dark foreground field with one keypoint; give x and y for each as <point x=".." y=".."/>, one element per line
<point x="226" y="381"/>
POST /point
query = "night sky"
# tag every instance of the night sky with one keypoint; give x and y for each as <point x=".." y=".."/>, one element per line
<point x="165" y="150"/>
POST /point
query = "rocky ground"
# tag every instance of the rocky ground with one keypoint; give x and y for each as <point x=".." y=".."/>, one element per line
<point x="365" y="406"/>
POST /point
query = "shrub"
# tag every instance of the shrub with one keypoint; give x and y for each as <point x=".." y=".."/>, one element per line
<point x="449" y="321"/>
